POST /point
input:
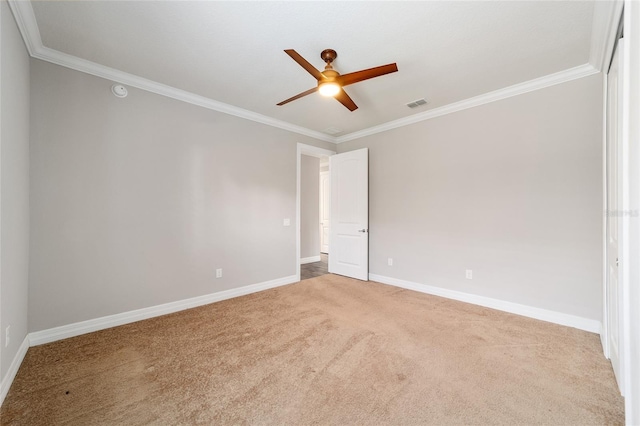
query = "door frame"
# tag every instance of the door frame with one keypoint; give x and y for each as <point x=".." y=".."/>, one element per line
<point x="323" y="201"/>
<point x="630" y="185"/>
<point x="313" y="151"/>
<point x="631" y="203"/>
<point x="604" y="329"/>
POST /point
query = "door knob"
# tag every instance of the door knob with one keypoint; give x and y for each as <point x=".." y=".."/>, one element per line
<point x="362" y="230"/>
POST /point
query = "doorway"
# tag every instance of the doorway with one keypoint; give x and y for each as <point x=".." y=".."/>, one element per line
<point x="312" y="256"/>
<point x="314" y="216"/>
<point x="348" y="212"/>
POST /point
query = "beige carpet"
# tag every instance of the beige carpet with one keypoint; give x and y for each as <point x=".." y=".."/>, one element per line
<point x="328" y="350"/>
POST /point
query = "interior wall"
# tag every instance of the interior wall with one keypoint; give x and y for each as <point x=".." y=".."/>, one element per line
<point x="511" y="190"/>
<point x="14" y="187"/>
<point x="309" y="206"/>
<point x="137" y="201"/>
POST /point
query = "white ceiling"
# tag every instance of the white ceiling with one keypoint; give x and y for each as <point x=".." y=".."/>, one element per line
<point x="232" y="52"/>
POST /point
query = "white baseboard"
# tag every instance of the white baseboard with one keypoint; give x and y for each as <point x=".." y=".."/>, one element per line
<point x="13" y="369"/>
<point x="76" y="329"/>
<point x="89" y="326"/>
<point x="310" y="259"/>
<point x="580" y="323"/>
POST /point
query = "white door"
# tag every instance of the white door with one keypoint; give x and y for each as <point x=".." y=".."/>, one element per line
<point x="349" y="175"/>
<point x="614" y="97"/>
<point x="325" y="219"/>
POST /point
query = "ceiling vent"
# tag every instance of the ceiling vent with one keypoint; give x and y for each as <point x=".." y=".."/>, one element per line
<point x="416" y="104"/>
<point x="332" y="131"/>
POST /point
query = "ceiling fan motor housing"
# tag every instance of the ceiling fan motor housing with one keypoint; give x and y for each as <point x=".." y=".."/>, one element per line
<point x="330" y="74"/>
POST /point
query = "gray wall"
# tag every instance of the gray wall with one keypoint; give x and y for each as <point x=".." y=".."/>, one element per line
<point x="309" y="206"/>
<point x="136" y="201"/>
<point x="511" y="190"/>
<point x="14" y="190"/>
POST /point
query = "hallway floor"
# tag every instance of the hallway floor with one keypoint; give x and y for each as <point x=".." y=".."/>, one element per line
<point x="315" y="269"/>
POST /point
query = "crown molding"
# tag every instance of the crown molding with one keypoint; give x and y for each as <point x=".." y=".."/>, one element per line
<point x="25" y="18"/>
<point x="82" y="65"/>
<point x="606" y="18"/>
<point x="26" y="21"/>
<point x="517" y="89"/>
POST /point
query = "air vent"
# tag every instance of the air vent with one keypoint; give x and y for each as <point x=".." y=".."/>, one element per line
<point x="417" y="103"/>
<point x="332" y="131"/>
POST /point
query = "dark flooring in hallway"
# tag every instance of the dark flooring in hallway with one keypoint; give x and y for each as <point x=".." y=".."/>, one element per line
<point x="315" y="269"/>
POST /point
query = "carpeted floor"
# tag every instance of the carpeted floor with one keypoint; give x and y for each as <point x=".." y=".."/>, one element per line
<point x="328" y="350"/>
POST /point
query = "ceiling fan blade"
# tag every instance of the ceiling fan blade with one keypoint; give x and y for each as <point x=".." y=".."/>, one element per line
<point x="355" y="77"/>
<point x="305" y="64"/>
<point x="345" y="100"/>
<point x="298" y="96"/>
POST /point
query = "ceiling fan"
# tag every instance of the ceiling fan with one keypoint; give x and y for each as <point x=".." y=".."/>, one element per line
<point x="330" y="82"/>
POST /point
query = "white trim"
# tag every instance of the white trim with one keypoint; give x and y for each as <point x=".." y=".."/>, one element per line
<point x="25" y="17"/>
<point x="580" y="323"/>
<point x="630" y="186"/>
<point x="1" y="328"/>
<point x="89" y="326"/>
<point x="313" y="151"/>
<point x="631" y="115"/>
<point x="604" y="336"/>
<point x="606" y="17"/>
<point x="5" y="385"/>
<point x="507" y="92"/>
<point x="623" y="220"/>
<point x="311" y="259"/>
<point x="27" y="24"/>
<point x="121" y="77"/>
<point x="30" y="33"/>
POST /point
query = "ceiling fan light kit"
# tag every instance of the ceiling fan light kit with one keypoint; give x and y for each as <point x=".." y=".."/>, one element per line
<point x="329" y="88"/>
<point x="330" y="82"/>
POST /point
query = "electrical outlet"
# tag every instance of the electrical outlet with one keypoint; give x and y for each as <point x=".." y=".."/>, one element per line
<point x="469" y="274"/>
<point x="218" y="273"/>
<point x="7" y="336"/>
<point x="390" y="261"/>
<point x="286" y="222"/>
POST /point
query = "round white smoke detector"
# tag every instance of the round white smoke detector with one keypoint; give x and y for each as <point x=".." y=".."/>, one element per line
<point x="119" y="90"/>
